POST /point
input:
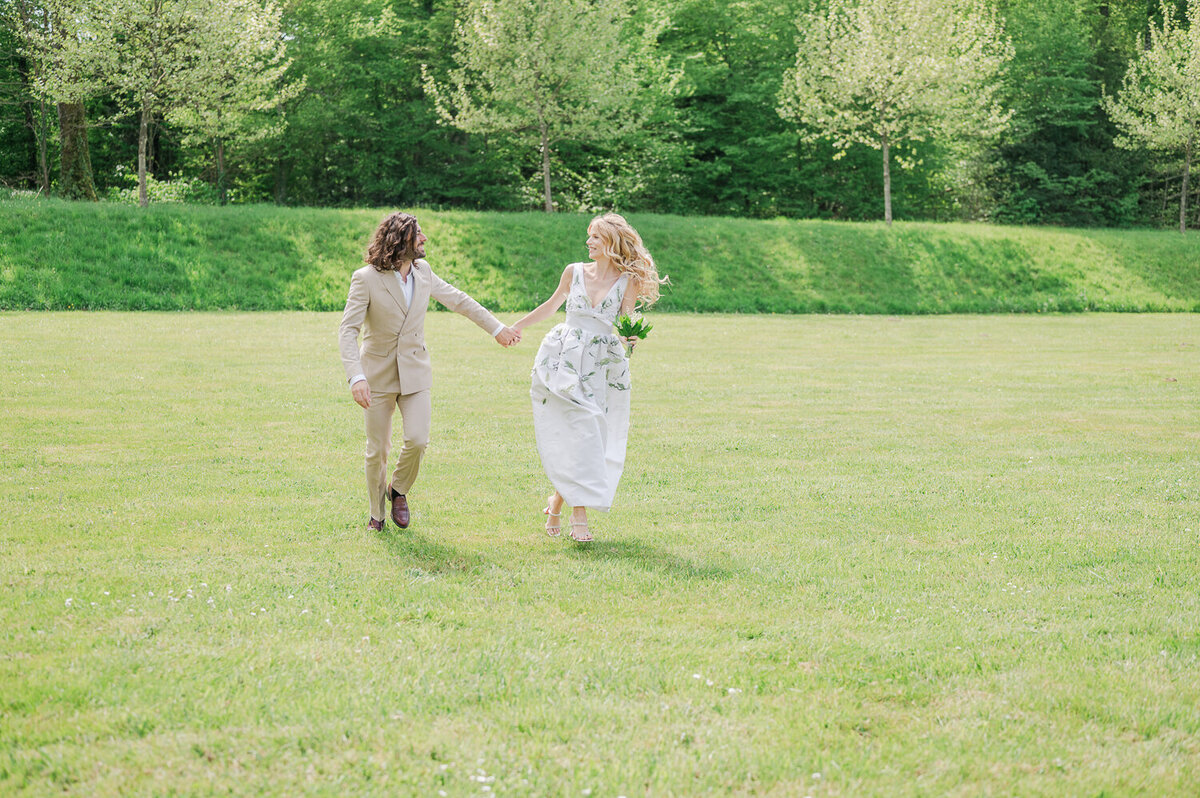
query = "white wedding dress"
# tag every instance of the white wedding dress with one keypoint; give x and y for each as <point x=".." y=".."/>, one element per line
<point x="580" y="395"/>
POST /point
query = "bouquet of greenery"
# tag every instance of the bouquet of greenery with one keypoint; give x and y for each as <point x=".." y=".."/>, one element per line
<point x="628" y="328"/>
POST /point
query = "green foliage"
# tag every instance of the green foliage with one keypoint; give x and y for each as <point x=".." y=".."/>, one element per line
<point x="741" y="158"/>
<point x="1158" y="107"/>
<point x="1057" y="164"/>
<point x="628" y="328"/>
<point x="18" y="147"/>
<point x="889" y="74"/>
<point x="549" y="71"/>
<point x="82" y="255"/>
<point x="850" y="556"/>
<point x="363" y="132"/>
<point x="176" y="188"/>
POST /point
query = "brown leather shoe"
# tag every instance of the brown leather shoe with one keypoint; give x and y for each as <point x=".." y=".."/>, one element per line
<point x="375" y="526"/>
<point x="400" y="515"/>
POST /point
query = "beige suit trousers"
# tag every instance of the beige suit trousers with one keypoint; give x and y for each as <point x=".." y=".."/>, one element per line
<point x="416" y="412"/>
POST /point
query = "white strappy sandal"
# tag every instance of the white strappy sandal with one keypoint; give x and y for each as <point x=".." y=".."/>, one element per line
<point x="584" y="537"/>
<point x="553" y="528"/>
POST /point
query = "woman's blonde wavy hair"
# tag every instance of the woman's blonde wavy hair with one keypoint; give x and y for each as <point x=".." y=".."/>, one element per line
<point x="394" y="242"/>
<point x="624" y="246"/>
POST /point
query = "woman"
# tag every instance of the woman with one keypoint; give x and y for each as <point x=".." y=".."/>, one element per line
<point x="580" y="377"/>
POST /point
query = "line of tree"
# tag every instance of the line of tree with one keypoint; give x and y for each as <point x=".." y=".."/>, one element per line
<point x="1079" y="112"/>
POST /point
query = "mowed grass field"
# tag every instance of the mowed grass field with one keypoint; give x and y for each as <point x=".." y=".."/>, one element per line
<point x="850" y="556"/>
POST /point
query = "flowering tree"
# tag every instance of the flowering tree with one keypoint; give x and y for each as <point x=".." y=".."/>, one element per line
<point x="238" y="70"/>
<point x="44" y="28"/>
<point x="886" y="73"/>
<point x="1158" y="105"/>
<point x="193" y="60"/>
<point x="550" y="70"/>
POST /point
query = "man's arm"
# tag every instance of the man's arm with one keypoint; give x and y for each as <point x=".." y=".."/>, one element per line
<point x="352" y="320"/>
<point x="460" y="302"/>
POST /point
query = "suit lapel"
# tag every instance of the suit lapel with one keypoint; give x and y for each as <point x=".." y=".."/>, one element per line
<point x="420" y="296"/>
<point x="393" y="287"/>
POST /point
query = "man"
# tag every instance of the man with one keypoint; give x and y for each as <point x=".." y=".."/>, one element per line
<point x="392" y="369"/>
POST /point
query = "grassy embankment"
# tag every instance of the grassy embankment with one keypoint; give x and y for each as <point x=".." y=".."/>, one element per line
<point x="950" y="556"/>
<point x="59" y="256"/>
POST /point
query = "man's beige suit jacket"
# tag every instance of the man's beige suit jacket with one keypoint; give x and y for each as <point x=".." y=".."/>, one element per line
<point x="393" y="356"/>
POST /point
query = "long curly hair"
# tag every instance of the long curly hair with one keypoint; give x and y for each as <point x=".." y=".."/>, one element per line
<point x="624" y="246"/>
<point x="394" y="242"/>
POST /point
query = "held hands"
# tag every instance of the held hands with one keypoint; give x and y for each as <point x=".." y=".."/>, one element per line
<point x="508" y="337"/>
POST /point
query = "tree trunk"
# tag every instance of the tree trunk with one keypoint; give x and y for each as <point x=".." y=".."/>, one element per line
<point x="143" y="141"/>
<point x="887" y="180"/>
<point x="41" y="134"/>
<point x="75" y="170"/>
<point x="222" y="194"/>
<point x="281" y="181"/>
<point x="36" y="122"/>
<point x="546" y="169"/>
<point x="1183" y="194"/>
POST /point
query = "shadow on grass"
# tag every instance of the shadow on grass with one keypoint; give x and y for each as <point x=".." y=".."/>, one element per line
<point x="646" y="557"/>
<point x="416" y="551"/>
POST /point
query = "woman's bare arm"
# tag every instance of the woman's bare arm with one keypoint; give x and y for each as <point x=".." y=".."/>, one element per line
<point x="551" y="305"/>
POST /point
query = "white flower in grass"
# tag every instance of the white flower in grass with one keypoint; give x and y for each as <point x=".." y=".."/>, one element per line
<point x="151" y="595"/>
<point x="69" y="602"/>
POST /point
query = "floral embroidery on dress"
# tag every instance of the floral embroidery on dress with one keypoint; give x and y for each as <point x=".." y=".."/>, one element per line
<point x="606" y="363"/>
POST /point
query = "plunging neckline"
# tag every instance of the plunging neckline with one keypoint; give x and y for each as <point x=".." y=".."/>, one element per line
<point x="587" y="295"/>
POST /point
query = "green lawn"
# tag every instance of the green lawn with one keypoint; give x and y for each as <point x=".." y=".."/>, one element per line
<point x="58" y="255"/>
<point x="850" y="556"/>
